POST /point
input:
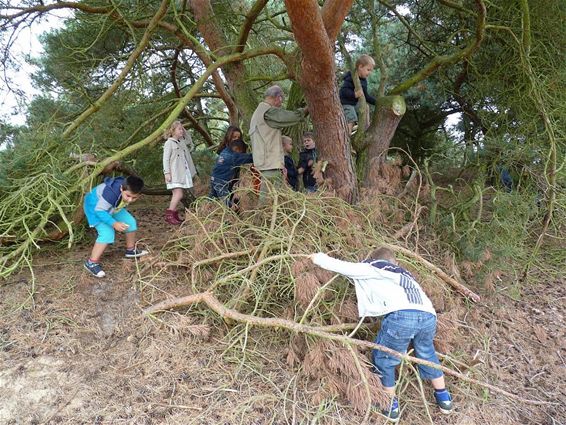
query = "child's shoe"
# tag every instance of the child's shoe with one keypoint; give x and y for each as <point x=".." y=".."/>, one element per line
<point x="393" y="413"/>
<point x="171" y="218"/>
<point x="177" y="217"/>
<point x="135" y="253"/>
<point x="94" y="268"/>
<point x="444" y="401"/>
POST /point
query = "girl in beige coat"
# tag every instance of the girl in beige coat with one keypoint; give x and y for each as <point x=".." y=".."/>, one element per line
<point x="178" y="168"/>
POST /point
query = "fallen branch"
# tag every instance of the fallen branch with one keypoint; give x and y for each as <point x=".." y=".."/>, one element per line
<point x="215" y="305"/>
<point x="462" y="289"/>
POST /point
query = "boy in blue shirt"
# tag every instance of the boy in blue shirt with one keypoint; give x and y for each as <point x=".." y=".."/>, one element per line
<point x="105" y="210"/>
<point x="224" y="170"/>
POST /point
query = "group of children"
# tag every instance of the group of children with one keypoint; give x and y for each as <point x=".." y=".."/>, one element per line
<point x="232" y="154"/>
<point x="383" y="288"/>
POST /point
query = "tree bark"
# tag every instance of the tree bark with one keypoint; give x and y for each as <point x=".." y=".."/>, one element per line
<point x="235" y="73"/>
<point x="387" y="115"/>
<point x="318" y="81"/>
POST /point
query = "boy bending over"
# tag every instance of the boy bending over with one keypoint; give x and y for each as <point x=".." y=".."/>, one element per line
<point x="105" y="210"/>
<point x="385" y="289"/>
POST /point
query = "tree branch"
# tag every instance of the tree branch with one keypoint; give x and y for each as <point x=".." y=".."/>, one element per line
<point x="248" y="23"/>
<point x="406" y="24"/>
<point x="333" y="14"/>
<point x="441" y="61"/>
<point x="121" y="77"/>
<point x="450" y="281"/>
<point x="215" y="305"/>
<point x="59" y="5"/>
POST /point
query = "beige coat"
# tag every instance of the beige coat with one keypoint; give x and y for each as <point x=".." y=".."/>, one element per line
<point x="174" y="154"/>
<point x="267" y="150"/>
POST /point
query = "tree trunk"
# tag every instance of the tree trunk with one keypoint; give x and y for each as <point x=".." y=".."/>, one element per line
<point x="387" y="115"/>
<point x="235" y="73"/>
<point x="317" y="78"/>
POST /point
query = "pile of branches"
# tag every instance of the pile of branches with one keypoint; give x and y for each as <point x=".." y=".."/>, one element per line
<point x="253" y="268"/>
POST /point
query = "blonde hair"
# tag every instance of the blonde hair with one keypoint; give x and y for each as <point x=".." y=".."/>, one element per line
<point x="364" y="60"/>
<point x="286" y="139"/>
<point x="169" y="132"/>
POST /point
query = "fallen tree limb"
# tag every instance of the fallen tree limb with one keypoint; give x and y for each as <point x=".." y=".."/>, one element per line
<point x="215" y="305"/>
<point x="462" y="289"/>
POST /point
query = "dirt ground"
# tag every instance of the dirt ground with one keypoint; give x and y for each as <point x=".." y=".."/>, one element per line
<point x="80" y="352"/>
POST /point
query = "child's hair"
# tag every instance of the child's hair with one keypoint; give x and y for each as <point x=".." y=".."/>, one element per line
<point x="364" y="60"/>
<point x="228" y="137"/>
<point x="308" y="135"/>
<point x="238" y="144"/>
<point x="169" y="132"/>
<point x="383" y="253"/>
<point x="286" y="139"/>
<point x="133" y="184"/>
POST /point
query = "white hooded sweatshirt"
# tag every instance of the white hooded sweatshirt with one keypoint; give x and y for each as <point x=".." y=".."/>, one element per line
<point x="381" y="287"/>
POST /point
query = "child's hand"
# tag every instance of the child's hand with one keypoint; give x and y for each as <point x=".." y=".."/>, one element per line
<point x="310" y="163"/>
<point x="359" y="93"/>
<point x="168" y="177"/>
<point x="120" y="227"/>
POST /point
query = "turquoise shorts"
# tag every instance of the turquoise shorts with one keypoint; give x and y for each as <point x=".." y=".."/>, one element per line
<point x="106" y="233"/>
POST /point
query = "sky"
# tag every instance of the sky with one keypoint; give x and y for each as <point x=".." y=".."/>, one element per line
<point x="26" y="44"/>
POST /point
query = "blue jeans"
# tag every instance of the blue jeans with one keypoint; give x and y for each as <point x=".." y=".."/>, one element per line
<point x="220" y="189"/>
<point x="398" y="330"/>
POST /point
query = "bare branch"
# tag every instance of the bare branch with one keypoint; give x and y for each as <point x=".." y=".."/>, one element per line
<point x="215" y="305"/>
<point x="248" y="23"/>
<point x="444" y="60"/>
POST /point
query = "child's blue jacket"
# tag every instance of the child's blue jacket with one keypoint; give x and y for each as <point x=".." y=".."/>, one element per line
<point x="101" y="202"/>
<point x="227" y="162"/>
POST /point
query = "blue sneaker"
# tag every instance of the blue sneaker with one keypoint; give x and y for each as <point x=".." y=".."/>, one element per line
<point x="444" y="401"/>
<point x="393" y="413"/>
<point x="135" y="253"/>
<point x="94" y="268"/>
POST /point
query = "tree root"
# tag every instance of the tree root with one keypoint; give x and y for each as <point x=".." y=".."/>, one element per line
<point x="215" y="305"/>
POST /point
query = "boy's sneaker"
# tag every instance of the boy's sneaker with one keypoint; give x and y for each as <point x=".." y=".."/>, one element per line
<point x="444" y="401"/>
<point x="135" y="253"/>
<point x="94" y="268"/>
<point x="393" y="413"/>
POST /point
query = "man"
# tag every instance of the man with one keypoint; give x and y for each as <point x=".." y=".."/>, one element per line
<point x="265" y="132"/>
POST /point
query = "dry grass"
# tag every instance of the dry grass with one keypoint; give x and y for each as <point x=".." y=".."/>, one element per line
<point x="285" y="227"/>
<point x="85" y="345"/>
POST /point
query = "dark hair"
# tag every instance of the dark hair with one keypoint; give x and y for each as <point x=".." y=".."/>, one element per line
<point x="238" y="144"/>
<point x="308" y="135"/>
<point x="228" y="137"/>
<point x="383" y="253"/>
<point x="133" y="183"/>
